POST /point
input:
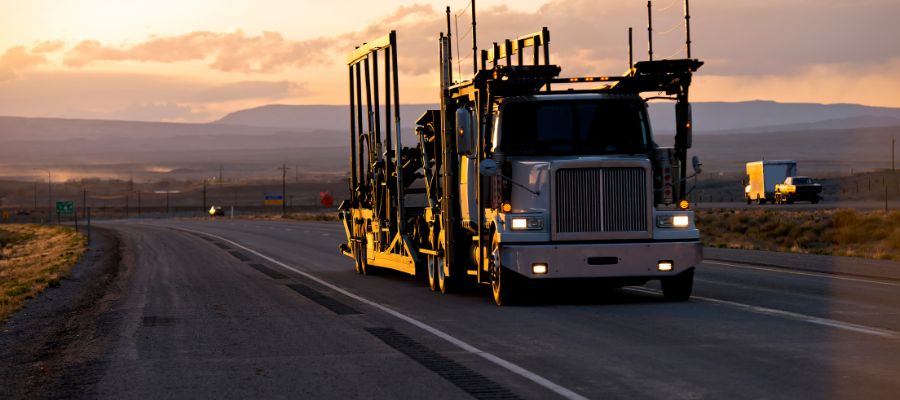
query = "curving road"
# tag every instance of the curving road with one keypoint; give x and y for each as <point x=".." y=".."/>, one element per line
<point x="256" y="309"/>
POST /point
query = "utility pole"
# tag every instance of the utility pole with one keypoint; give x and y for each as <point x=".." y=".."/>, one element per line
<point x="650" y="28"/>
<point x="283" y="189"/>
<point x="474" y="42"/>
<point x="49" y="194"/>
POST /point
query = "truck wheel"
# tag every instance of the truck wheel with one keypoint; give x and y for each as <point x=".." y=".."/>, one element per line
<point x="504" y="286"/>
<point x="360" y="252"/>
<point x="678" y="287"/>
<point x="748" y="200"/>
<point x="432" y="273"/>
<point x="445" y="283"/>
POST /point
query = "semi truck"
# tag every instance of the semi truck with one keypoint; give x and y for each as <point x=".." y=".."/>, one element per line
<point x="762" y="176"/>
<point x="520" y="175"/>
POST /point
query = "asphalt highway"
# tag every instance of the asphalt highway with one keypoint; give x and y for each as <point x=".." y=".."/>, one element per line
<point x="270" y="309"/>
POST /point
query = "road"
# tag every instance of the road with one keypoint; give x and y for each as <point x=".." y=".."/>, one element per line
<point x="268" y="309"/>
<point x="862" y="205"/>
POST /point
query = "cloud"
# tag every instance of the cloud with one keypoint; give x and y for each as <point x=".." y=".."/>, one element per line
<point x="16" y="60"/>
<point x="228" y="52"/>
<point x="49" y="46"/>
<point x="136" y="96"/>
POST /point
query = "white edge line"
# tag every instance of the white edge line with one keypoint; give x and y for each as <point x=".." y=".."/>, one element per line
<point x="804" y="273"/>
<point x="789" y="315"/>
<point x="516" y="369"/>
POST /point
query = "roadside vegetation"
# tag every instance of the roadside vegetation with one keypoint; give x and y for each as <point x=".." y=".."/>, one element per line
<point x="329" y="215"/>
<point x="32" y="258"/>
<point x="869" y="234"/>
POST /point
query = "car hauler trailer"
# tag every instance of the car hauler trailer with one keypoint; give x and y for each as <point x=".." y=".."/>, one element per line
<point x="521" y="174"/>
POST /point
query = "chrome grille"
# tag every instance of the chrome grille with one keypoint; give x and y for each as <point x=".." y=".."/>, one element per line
<point x="601" y="200"/>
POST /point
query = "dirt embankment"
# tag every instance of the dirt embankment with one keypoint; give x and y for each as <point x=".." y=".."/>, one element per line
<point x="53" y="346"/>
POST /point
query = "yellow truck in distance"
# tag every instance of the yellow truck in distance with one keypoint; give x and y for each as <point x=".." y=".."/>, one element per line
<point x="763" y="176"/>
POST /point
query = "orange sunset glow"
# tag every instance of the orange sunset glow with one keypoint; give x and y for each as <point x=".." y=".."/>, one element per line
<point x="194" y="61"/>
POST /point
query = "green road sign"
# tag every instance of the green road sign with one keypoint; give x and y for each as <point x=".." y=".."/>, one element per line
<point x="65" y="207"/>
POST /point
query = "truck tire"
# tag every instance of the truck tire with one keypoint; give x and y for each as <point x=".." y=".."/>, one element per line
<point x="504" y="283"/>
<point x="446" y="284"/>
<point x="432" y="273"/>
<point x="504" y="286"/>
<point x="362" y="261"/>
<point x="748" y="200"/>
<point x="678" y="287"/>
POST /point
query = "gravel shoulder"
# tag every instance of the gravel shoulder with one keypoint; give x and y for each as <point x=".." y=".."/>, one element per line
<point x="54" y="343"/>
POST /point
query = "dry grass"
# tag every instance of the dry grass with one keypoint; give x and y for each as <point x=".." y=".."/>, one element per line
<point x="869" y="234"/>
<point x="33" y="258"/>
<point x="305" y="216"/>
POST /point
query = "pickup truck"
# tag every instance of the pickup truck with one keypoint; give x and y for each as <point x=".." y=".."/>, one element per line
<point x="797" y="188"/>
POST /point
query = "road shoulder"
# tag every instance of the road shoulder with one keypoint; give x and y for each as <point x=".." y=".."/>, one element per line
<point x="56" y="339"/>
<point x="836" y="265"/>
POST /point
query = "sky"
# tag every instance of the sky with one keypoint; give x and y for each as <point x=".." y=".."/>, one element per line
<point x="197" y="60"/>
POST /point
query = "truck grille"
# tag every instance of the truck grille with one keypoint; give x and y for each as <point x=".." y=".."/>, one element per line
<point x="592" y="200"/>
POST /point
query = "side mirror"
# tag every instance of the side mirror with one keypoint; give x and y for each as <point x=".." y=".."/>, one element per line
<point x="465" y="132"/>
<point x="698" y="166"/>
<point x="488" y="168"/>
<point x="683" y="125"/>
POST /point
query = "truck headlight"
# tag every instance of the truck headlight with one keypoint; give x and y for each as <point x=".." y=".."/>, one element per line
<point x="527" y="223"/>
<point x="673" y="221"/>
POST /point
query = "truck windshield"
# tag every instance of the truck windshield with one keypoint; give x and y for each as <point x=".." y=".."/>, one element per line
<point x="574" y="127"/>
<point x="802" y="181"/>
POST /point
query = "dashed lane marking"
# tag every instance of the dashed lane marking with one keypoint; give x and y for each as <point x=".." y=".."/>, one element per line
<point x="788" y="315"/>
<point x="509" y="366"/>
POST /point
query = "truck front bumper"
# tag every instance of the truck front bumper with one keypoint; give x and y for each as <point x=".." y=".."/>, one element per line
<point x="602" y="260"/>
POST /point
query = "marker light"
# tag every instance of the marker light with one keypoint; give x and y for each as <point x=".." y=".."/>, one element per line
<point x="539" y="268"/>
<point x="684" y="204"/>
<point x="664" y="266"/>
<point x="506" y="207"/>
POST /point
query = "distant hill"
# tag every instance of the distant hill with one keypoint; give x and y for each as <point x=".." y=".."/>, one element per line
<point x="327" y="117"/>
<point x="762" y="116"/>
<point x="768" y="116"/>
